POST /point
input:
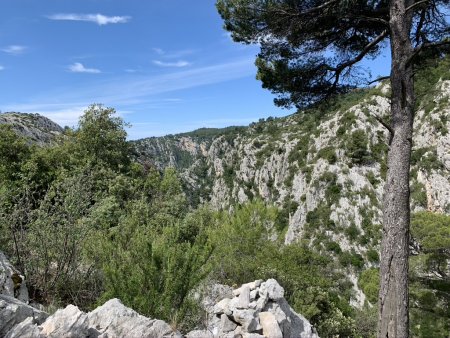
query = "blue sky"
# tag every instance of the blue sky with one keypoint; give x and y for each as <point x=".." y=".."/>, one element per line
<point x="166" y="66"/>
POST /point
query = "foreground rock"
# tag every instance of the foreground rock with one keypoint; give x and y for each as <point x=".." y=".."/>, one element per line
<point x="111" y="320"/>
<point x="256" y="310"/>
<point x="13" y="312"/>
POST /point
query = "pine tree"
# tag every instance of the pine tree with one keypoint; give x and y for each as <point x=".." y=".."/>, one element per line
<point x="310" y="50"/>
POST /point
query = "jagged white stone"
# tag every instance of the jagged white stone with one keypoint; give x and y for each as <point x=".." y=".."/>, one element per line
<point x="279" y="320"/>
<point x="13" y="312"/>
<point x="270" y="325"/>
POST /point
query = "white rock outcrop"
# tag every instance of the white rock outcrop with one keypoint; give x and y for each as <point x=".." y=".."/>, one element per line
<point x="256" y="310"/>
<point x="111" y="320"/>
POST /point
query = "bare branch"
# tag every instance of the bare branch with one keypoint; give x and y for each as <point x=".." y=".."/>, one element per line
<point x="418" y="32"/>
<point x="416" y="4"/>
<point x="370" y="19"/>
<point x="363" y="53"/>
<point x="381" y="78"/>
<point x="424" y="46"/>
<point x="384" y="124"/>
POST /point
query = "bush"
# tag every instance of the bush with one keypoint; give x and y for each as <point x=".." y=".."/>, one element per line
<point x="369" y="282"/>
<point x="373" y="256"/>
<point x="357" y="148"/>
<point x="328" y="153"/>
<point x="352" y="232"/>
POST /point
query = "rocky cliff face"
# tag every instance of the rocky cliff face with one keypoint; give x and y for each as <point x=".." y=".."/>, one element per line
<point x="38" y="129"/>
<point x="324" y="168"/>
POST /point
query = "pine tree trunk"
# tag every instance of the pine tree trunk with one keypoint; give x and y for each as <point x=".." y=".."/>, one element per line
<point x="393" y="297"/>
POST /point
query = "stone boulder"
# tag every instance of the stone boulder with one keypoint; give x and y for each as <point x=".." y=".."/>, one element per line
<point x="257" y="310"/>
<point x="111" y="320"/>
<point x="13" y="312"/>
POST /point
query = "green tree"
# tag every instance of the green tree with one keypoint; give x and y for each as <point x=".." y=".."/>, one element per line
<point x="101" y="135"/>
<point x="154" y="267"/>
<point x="14" y="150"/>
<point x="310" y="49"/>
<point x="53" y="243"/>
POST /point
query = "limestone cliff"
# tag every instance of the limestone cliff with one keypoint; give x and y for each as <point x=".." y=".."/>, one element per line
<point x="324" y="167"/>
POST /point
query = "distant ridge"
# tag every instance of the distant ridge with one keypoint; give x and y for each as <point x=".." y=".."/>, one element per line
<point x="37" y="128"/>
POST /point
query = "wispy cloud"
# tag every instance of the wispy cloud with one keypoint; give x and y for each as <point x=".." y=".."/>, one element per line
<point x="14" y="49"/>
<point x="129" y="93"/>
<point x="79" y="68"/>
<point x="99" y="19"/>
<point x="174" y="54"/>
<point x="177" y="64"/>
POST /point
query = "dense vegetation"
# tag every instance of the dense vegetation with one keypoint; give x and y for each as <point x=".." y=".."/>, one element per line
<point x="85" y="222"/>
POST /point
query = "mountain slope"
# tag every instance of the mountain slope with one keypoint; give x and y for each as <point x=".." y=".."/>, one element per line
<point x="324" y="168"/>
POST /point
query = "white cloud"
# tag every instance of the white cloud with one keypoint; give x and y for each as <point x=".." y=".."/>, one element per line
<point x="174" y="54"/>
<point x="135" y="91"/>
<point x="177" y="64"/>
<point x="79" y="68"/>
<point x="99" y="19"/>
<point x="14" y="49"/>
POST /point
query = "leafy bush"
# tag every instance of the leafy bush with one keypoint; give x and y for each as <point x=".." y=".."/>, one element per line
<point x="418" y="194"/>
<point x="369" y="282"/>
<point x="352" y="232"/>
<point x="373" y="256"/>
<point x="328" y="153"/>
<point x="154" y="271"/>
<point x="357" y="148"/>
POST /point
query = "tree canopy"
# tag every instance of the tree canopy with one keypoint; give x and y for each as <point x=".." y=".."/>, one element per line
<point x="310" y="49"/>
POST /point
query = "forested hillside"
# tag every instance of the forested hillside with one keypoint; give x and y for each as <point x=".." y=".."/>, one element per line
<point x="91" y="216"/>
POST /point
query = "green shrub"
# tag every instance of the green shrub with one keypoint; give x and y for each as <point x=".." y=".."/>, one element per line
<point x="154" y="270"/>
<point x="372" y="178"/>
<point x="347" y="258"/>
<point x="357" y="148"/>
<point x="352" y="232"/>
<point x="429" y="301"/>
<point x="328" y="153"/>
<point x="333" y="247"/>
<point x="418" y="194"/>
<point x="373" y="256"/>
<point x="369" y="282"/>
